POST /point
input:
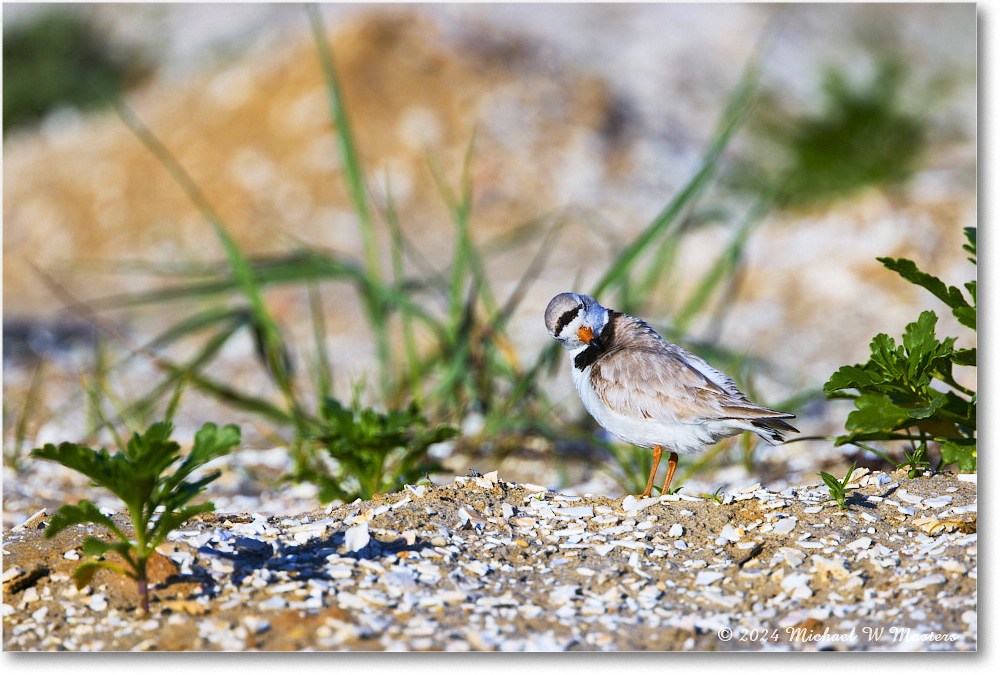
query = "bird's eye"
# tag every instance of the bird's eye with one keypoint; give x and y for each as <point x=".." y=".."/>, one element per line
<point x="566" y="318"/>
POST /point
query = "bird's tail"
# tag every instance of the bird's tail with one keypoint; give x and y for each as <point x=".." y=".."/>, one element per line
<point x="772" y="429"/>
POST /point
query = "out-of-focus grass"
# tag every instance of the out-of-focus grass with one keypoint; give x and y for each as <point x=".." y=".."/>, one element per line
<point x="470" y="364"/>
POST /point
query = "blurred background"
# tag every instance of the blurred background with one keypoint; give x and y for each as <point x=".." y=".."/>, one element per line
<point x="728" y="172"/>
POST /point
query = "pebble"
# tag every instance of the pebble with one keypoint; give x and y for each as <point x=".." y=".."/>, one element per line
<point x="938" y="502"/>
<point x="274" y="602"/>
<point x="860" y="544"/>
<point x="785" y="525"/>
<point x="797" y="585"/>
<point x="728" y="534"/>
<point x="357" y="537"/>
<point x="929" y="580"/>
<point x="793" y="557"/>
<point x="832" y="569"/>
<point x="707" y="578"/>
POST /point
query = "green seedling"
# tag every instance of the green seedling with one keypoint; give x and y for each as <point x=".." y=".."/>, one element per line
<point x="894" y="393"/>
<point x="715" y="495"/>
<point x="916" y="461"/>
<point x="371" y="452"/>
<point x="157" y="502"/>
<point x="838" y="489"/>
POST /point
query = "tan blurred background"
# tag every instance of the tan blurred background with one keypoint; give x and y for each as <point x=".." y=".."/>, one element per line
<point x="597" y="113"/>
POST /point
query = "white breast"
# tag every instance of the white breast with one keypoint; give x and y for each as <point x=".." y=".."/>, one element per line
<point x="683" y="437"/>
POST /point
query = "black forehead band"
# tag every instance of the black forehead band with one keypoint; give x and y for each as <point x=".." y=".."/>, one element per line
<point x="566" y="317"/>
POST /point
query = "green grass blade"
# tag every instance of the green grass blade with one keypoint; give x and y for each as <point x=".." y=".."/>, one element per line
<point x="27" y="412"/>
<point x="722" y="269"/>
<point x="352" y="167"/>
<point x="196" y="364"/>
<point x="736" y="112"/>
<point x="354" y="177"/>
<point x="295" y="268"/>
<point x="240" y="266"/>
<point x="409" y="337"/>
<point x="324" y="369"/>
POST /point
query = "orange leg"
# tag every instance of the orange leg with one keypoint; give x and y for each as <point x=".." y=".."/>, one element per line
<point x="671" y="467"/>
<point x="657" y="453"/>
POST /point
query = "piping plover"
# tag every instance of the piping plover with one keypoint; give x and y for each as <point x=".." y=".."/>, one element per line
<point x="649" y="392"/>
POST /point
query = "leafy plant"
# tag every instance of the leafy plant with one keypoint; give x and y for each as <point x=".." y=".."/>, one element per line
<point x="838" y="488"/>
<point x="371" y="452"/>
<point x="894" y="393"/>
<point x="862" y="137"/>
<point x="157" y="502"/>
<point x="59" y="58"/>
<point x="715" y="495"/>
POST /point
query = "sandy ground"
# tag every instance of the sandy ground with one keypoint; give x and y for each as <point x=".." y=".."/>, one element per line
<point x="483" y="564"/>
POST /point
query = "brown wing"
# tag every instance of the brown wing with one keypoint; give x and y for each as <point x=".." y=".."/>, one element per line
<point x="648" y="376"/>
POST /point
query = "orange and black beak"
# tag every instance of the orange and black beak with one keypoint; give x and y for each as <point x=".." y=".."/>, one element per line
<point x="587" y="335"/>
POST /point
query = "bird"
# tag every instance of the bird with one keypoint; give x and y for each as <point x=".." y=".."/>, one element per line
<point x="649" y="392"/>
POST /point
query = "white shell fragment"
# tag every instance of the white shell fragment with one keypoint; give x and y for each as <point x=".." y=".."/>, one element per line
<point x="467" y="566"/>
<point x="785" y="525"/>
<point x="357" y="537"/>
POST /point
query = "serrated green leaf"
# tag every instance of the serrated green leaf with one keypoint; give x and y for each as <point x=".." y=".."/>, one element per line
<point x="964" y="357"/>
<point x="961" y="453"/>
<point x="139" y="446"/>
<point x="907" y="269"/>
<point x="110" y="472"/>
<point x="848" y="377"/>
<point x="970" y="235"/>
<point x="171" y="520"/>
<point x="930" y="409"/>
<point x="919" y="338"/>
<point x="888" y="360"/>
<point x="966" y="316"/>
<point x="85" y="512"/>
<point x="85" y="571"/>
<point x="93" y="547"/>
<point x="971" y="287"/>
<point x="876" y="412"/>
<point x="210" y="442"/>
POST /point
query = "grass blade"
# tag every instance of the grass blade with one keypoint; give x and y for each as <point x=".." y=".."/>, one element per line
<point x="353" y="171"/>
<point x="409" y="338"/>
<point x="324" y="369"/>
<point x="240" y="266"/>
<point x="722" y="269"/>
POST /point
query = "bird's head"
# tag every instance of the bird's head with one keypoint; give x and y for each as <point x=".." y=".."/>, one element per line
<point x="575" y="320"/>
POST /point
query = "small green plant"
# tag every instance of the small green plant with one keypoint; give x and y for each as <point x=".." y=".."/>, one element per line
<point x="715" y="495"/>
<point x="838" y="489"/>
<point x="899" y="393"/>
<point x="58" y="58"/>
<point x="916" y="461"/>
<point x="158" y="503"/>
<point x="862" y="137"/>
<point x="371" y="452"/>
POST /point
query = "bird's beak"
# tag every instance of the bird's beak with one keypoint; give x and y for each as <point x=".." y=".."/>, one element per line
<point x="587" y="335"/>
